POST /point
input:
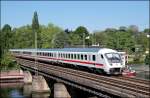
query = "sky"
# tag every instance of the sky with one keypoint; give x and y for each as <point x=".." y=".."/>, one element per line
<point x="94" y="15"/>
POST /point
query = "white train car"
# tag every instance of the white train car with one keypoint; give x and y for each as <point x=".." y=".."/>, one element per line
<point x="104" y="59"/>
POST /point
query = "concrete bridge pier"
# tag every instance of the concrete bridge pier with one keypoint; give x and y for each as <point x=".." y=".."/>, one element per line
<point x="60" y="91"/>
<point x="39" y="85"/>
<point x="27" y="77"/>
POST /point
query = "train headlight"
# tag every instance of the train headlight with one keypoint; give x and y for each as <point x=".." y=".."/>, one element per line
<point x="111" y="64"/>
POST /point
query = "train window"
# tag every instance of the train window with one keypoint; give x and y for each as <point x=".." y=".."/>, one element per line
<point x="93" y="58"/>
<point x="74" y="56"/>
<point x="66" y="55"/>
<point x="102" y="56"/>
<point x="78" y="56"/>
<point x="81" y="56"/>
<point x="85" y="56"/>
<point x="71" y="56"/>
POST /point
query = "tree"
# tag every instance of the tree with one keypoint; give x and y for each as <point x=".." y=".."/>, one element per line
<point x="134" y="28"/>
<point x="23" y="37"/>
<point x="99" y="38"/>
<point x="0" y="45"/>
<point x="36" y="29"/>
<point x="147" y="60"/>
<point x="108" y="30"/>
<point x="47" y="34"/>
<point x="82" y="32"/>
<point x="35" y="22"/>
<point x="6" y="36"/>
<point x="122" y="28"/>
<point x="60" y="40"/>
<point x="147" y="31"/>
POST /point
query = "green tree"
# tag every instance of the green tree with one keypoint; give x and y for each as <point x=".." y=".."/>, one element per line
<point x="0" y="45"/>
<point x="82" y="32"/>
<point x="47" y="34"/>
<point x="6" y="36"/>
<point x="60" y="40"/>
<point x="147" y="60"/>
<point x="36" y="29"/>
<point x="147" y="31"/>
<point x="23" y="37"/>
<point x="122" y="28"/>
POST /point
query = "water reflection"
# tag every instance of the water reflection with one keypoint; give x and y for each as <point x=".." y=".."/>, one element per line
<point x="27" y="89"/>
<point x="16" y="94"/>
<point x="40" y="95"/>
<point x="27" y="92"/>
<point x="19" y="90"/>
<point x="11" y="90"/>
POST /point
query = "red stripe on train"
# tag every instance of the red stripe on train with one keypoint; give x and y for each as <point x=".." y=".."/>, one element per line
<point x="77" y="61"/>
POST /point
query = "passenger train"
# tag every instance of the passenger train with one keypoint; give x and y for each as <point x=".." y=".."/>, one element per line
<point x="105" y="59"/>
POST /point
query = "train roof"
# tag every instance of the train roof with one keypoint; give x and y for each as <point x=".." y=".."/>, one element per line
<point x="64" y="49"/>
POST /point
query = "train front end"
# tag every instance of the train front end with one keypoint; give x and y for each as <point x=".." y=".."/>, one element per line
<point x="113" y="62"/>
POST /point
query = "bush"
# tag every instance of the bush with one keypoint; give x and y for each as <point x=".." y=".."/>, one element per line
<point x="7" y="63"/>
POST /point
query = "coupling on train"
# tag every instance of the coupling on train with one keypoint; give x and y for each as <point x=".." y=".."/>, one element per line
<point x="105" y="59"/>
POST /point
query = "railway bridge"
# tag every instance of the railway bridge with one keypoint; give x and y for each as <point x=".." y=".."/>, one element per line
<point x="99" y="85"/>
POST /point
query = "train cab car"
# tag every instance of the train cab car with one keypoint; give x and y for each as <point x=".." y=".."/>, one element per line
<point x="104" y="59"/>
<point x="112" y="61"/>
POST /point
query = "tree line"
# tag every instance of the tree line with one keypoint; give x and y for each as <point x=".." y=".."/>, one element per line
<point x="128" y="39"/>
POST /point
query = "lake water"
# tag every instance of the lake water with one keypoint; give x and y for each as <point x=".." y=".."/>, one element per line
<point x="142" y="71"/>
<point x="19" y="90"/>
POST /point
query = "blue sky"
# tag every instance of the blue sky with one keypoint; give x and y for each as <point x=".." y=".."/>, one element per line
<point x="94" y="15"/>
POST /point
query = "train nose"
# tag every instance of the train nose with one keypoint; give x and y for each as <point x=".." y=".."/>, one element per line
<point x="115" y="70"/>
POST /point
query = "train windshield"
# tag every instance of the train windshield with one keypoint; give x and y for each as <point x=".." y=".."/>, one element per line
<point x="113" y="57"/>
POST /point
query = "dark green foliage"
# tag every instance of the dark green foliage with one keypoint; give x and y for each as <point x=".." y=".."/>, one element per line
<point x="82" y="32"/>
<point x="147" y="31"/>
<point x="35" y="22"/>
<point x="0" y="44"/>
<point x="60" y="40"/>
<point x="147" y="60"/>
<point x="36" y="29"/>
<point x="5" y="36"/>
